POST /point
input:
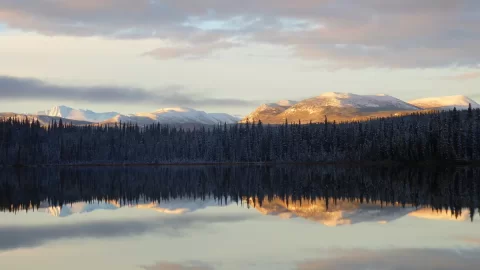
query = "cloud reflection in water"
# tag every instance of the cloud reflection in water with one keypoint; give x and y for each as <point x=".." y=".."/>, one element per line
<point x="31" y="236"/>
<point x="397" y="259"/>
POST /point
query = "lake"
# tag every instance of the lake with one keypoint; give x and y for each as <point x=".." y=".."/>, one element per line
<point x="240" y="217"/>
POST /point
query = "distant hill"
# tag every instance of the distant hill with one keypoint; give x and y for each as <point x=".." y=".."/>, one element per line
<point x="446" y="103"/>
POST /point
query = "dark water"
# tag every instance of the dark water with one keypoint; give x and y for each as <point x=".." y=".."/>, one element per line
<point x="279" y="217"/>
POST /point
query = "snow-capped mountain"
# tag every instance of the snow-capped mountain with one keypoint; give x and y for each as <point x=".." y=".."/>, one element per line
<point x="380" y="102"/>
<point x="335" y="105"/>
<point x="173" y="207"/>
<point x="77" y="114"/>
<point x="176" y="116"/>
<point x="348" y="213"/>
<point x="165" y="116"/>
<point x="337" y="214"/>
<point x="224" y="118"/>
<point x="445" y="103"/>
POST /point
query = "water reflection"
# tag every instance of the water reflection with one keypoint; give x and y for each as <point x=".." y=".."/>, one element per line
<point x="404" y="259"/>
<point x="209" y="218"/>
<point x="330" y="195"/>
<point x="16" y="236"/>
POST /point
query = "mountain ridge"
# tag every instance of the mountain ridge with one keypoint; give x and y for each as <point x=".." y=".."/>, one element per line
<point x="77" y="114"/>
<point x="173" y="115"/>
<point x="343" y="106"/>
<point x="446" y="102"/>
<point x="338" y="106"/>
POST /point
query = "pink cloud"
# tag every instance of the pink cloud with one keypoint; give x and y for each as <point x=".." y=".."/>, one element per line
<point x="198" y="51"/>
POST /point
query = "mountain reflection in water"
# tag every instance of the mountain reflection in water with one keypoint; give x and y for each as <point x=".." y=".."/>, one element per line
<point x="328" y="195"/>
<point x="338" y="213"/>
<point x="240" y="217"/>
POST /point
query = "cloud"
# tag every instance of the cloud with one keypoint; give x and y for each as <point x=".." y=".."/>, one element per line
<point x="396" y="259"/>
<point x="12" y="88"/>
<point x="175" y="266"/>
<point x="344" y="33"/>
<point x="464" y="76"/>
<point x="19" y="236"/>
<point x="198" y="51"/>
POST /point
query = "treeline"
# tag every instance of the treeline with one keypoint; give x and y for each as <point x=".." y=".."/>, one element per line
<point x="434" y="136"/>
<point x="442" y="189"/>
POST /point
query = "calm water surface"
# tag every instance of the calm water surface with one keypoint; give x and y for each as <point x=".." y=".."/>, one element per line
<point x="195" y="218"/>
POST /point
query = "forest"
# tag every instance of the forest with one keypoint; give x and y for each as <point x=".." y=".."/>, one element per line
<point x="437" y="136"/>
<point x="446" y="189"/>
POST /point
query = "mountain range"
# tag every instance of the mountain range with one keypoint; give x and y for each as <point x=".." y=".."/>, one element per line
<point x="173" y="207"/>
<point x="335" y="105"/>
<point x="347" y="106"/>
<point x="178" y="115"/>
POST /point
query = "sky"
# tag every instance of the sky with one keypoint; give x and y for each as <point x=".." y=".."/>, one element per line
<point x="231" y="56"/>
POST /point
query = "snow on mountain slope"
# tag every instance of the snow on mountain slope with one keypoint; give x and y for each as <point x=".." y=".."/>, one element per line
<point x="224" y="117"/>
<point x="268" y="111"/>
<point x="445" y="103"/>
<point x="76" y="114"/>
<point x="180" y="116"/>
<point x="347" y="100"/>
<point x="285" y="103"/>
<point x="175" y="116"/>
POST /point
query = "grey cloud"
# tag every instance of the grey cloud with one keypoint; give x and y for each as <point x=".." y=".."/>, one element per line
<point x="31" y="236"/>
<point x="12" y="88"/>
<point x="412" y="33"/>
<point x="397" y="259"/>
